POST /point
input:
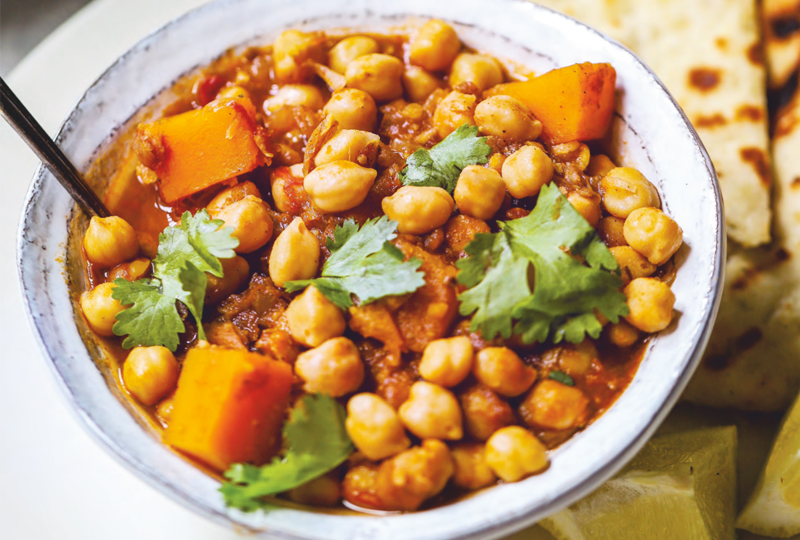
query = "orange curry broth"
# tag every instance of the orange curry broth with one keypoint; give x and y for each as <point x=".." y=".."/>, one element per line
<point x="138" y="203"/>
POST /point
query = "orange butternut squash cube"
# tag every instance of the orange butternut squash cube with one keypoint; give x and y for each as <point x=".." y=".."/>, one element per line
<point x="197" y="149"/>
<point x="573" y="103"/>
<point x="229" y="406"/>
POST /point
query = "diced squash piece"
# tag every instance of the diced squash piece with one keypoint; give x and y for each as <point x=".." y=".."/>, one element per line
<point x="573" y="103"/>
<point x="230" y="405"/>
<point x="127" y="198"/>
<point x="197" y="149"/>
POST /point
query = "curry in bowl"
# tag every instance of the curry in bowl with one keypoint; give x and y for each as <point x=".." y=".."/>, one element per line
<point x="390" y="270"/>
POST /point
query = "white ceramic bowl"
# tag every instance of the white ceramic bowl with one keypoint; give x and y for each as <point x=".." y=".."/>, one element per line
<point x="650" y="133"/>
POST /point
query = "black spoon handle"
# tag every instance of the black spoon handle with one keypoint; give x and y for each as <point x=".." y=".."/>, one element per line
<point x="51" y="155"/>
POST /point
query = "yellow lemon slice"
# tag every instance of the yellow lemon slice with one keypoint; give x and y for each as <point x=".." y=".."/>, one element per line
<point x="774" y="506"/>
<point x="680" y="487"/>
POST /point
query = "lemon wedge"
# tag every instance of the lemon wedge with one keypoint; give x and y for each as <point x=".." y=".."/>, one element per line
<point x="681" y="486"/>
<point x="774" y="506"/>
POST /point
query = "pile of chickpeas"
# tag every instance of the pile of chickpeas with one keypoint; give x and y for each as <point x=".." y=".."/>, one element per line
<point x="470" y="416"/>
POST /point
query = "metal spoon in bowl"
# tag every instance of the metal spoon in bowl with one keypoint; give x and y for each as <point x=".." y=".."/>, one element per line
<point x="51" y="155"/>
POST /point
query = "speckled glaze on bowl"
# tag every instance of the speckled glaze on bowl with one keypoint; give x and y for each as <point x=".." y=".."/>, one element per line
<point x="650" y="132"/>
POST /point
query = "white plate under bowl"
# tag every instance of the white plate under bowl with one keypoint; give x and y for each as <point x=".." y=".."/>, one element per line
<point x="650" y="133"/>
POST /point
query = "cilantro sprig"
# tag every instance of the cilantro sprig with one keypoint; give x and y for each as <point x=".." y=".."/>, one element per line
<point x="364" y="263"/>
<point x="574" y="275"/>
<point x="317" y="442"/>
<point x="441" y="165"/>
<point x="185" y="253"/>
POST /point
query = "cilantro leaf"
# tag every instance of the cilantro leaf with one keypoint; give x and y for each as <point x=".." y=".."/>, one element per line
<point x="441" y="165"/>
<point x="152" y="318"/>
<point x="317" y="442"/>
<point x="574" y="275"/>
<point x="364" y="263"/>
<point x="185" y="253"/>
<point x="561" y="377"/>
<point x="198" y="240"/>
<point x="498" y="277"/>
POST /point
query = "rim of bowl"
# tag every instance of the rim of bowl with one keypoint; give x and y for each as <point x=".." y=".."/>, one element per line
<point x="491" y="528"/>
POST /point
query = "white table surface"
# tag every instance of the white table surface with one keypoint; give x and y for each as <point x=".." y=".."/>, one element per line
<point x="55" y="482"/>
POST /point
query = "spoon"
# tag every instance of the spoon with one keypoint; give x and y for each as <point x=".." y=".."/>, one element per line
<point x="51" y="155"/>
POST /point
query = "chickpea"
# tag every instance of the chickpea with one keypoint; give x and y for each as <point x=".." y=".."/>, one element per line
<point x="503" y="371"/>
<point x="622" y="334"/>
<point x="131" y="271"/>
<point x="650" y="302"/>
<point x="279" y="179"/>
<point x="325" y="490"/>
<point x="496" y="161"/>
<point x="290" y="52"/>
<point x="479" y="192"/>
<point x="447" y="361"/>
<point x="418" y="209"/>
<point x="432" y="411"/>
<point x="470" y="468"/>
<point x="631" y="263"/>
<point x="455" y="110"/>
<point x="599" y="165"/>
<point x="574" y="152"/>
<point x="352" y="109"/>
<point x="234" y="92"/>
<point x="164" y="409"/>
<point x="625" y="189"/>
<point x="295" y="254"/>
<point x="435" y="46"/>
<point x="150" y="373"/>
<point x="250" y="221"/>
<point x="587" y="204"/>
<point x="526" y="171"/>
<point x="334" y="368"/>
<point x="295" y="95"/>
<point x="412" y="476"/>
<point x="339" y="185"/>
<point x="109" y="241"/>
<point x="485" y="412"/>
<point x="360" y="485"/>
<point x="610" y="229"/>
<point x="374" y="427"/>
<point x="552" y="405"/>
<point x="230" y="195"/>
<point x="653" y="233"/>
<point x="235" y="272"/>
<point x="481" y="70"/>
<point x="313" y="319"/>
<point x="354" y="145"/>
<point x="507" y="117"/>
<point x="514" y="453"/>
<point x="100" y="309"/>
<point x="348" y="49"/>
<point x="378" y="75"/>
<point x="420" y="84"/>
<point x="574" y="360"/>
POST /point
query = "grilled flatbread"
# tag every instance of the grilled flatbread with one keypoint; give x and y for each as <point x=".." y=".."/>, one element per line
<point x="753" y="360"/>
<point x="781" y="19"/>
<point x="708" y="54"/>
